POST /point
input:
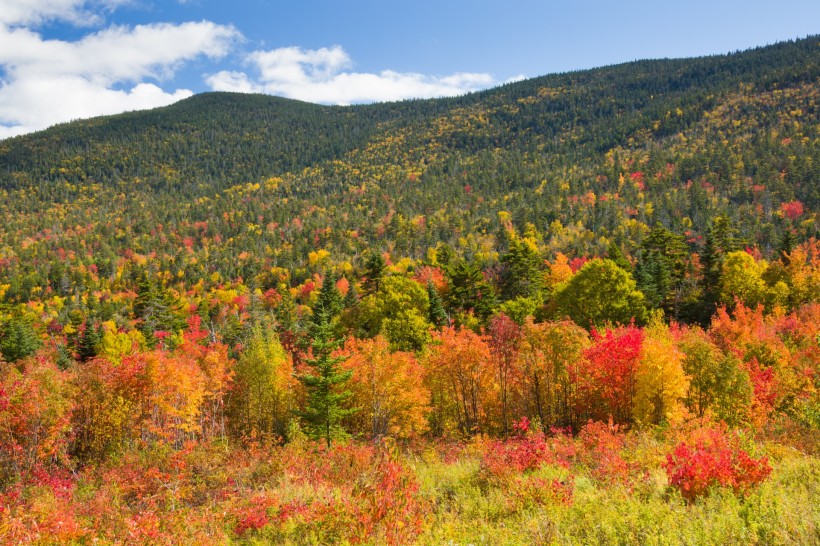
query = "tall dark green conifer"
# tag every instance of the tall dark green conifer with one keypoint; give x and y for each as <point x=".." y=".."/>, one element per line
<point x="17" y="339"/>
<point x="661" y="269"/>
<point x="330" y="299"/>
<point x="154" y="309"/>
<point x="374" y="271"/>
<point x="436" y="313"/>
<point x="325" y="384"/>
<point x="88" y="340"/>
<point x="521" y="274"/>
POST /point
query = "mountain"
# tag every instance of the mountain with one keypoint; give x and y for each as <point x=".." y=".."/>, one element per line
<point x="232" y="186"/>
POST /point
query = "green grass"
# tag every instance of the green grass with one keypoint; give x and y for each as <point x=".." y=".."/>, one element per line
<point x="466" y="510"/>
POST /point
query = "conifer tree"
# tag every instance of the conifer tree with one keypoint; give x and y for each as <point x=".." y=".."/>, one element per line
<point x="330" y="299"/>
<point x="325" y="384"/>
<point x="614" y="253"/>
<point x="521" y="274"/>
<point x="436" y="313"/>
<point x="374" y="271"/>
<point x="351" y="299"/>
<point x="88" y="340"/>
<point x="17" y="339"/>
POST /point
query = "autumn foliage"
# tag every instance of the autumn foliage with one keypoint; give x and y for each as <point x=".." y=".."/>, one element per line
<point x="712" y="457"/>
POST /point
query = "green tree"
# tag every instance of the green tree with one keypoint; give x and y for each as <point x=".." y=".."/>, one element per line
<point x="375" y="267"/>
<point x="18" y="339"/>
<point x="469" y="290"/>
<point x="88" y="340"/>
<point x="398" y="311"/>
<point x="614" y="253"/>
<point x="325" y="385"/>
<point x="436" y="314"/>
<point x="661" y="269"/>
<point x="719" y="241"/>
<point x="742" y="278"/>
<point x="718" y="384"/>
<point x="330" y="299"/>
<point x="600" y="293"/>
<point x="154" y="309"/>
<point x="264" y="392"/>
<point x="521" y="274"/>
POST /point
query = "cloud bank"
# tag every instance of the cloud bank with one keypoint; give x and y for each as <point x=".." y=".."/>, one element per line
<point x="324" y="76"/>
<point x="43" y="82"/>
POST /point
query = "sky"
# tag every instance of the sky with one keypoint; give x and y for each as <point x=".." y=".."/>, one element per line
<point x="62" y="60"/>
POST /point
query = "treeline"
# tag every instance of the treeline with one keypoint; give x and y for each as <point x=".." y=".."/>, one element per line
<point x="426" y="353"/>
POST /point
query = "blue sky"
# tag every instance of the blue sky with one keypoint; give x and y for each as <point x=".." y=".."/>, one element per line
<point x="68" y="59"/>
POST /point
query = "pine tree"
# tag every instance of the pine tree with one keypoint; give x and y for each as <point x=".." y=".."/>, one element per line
<point x="88" y="341"/>
<point x="374" y="271"/>
<point x="17" y="339"/>
<point x="661" y="269"/>
<point x="436" y="313"/>
<point x="521" y="273"/>
<point x="154" y="309"/>
<point x="351" y="299"/>
<point x="614" y="253"/>
<point x="326" y="395"/>
<point x="330" y="299"/>
<point x="787" y="244"/>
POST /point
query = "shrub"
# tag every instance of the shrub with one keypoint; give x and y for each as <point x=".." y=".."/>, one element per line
<point x="712" y="457"/>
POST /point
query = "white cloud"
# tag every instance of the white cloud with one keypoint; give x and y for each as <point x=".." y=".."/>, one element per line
<point x="120" y="68"/>
<point x="34" y="12"/>
<point x="43" y="82"/>
<point x="322" y="76"/>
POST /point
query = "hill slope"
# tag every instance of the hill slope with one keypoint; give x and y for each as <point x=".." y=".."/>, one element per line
<point x="235" y="184"/>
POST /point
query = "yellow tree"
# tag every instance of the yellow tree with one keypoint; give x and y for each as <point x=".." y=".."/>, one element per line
<point x="176" y="391"/>
<point x="660" y="382"/>
<point x="263" y="398"/>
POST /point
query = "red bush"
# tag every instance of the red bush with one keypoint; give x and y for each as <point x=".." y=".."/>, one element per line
<point x="526" y="452"/>
<point x="713" y="457"/>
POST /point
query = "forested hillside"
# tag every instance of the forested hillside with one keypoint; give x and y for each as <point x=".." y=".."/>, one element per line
<point x="499" y="284"/>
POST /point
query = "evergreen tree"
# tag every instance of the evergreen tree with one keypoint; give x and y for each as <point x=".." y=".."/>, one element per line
<point x="436" y="314"/>
<point x="330" y="299"/>
<point x="469" y="290"/>
<point x="661" y="269"/>
<point x="17" y="339"/>
<point x="326" y="396"/>
<point x="374" y="271"/>
<point x="351" y="299"/>
<point x="521" y="274"/>
<point x="787" y="244"/>
<point x="614" y="253"/>
<point x="154" y="309"/>
<point x="88" y="340"/>
<point x="719" y="241"/>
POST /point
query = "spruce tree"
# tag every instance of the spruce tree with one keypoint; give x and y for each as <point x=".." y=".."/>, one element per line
<point x="614" y="253"/>
<point x="326" y="395"/>
<point x="88" y="340"/>
<point x="436" y="313"/>
<point x="521" y="274"/>
<point x="18" y="339"/>
<point x="374" y="271"/>
<point x="351" y="299"/>
<point x="787" y="244"/>
<point x="330" y="299"/>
